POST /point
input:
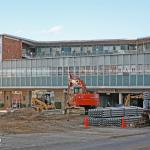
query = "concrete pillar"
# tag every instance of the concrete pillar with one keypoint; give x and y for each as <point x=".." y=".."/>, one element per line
<point x="30" y="98"/>
<point x="120" y="98"/>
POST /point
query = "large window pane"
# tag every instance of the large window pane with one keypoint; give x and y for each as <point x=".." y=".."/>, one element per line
<point x="106" y="80"/>
<point x="100" y="80"/>
<point x="88" y="80"/>
<point x="147" y="80"/>
<point x="94" y="80"/>
<point x="125" y="80"/>
<point x="133" y="80"/>
<point x="119" y="80"/>
<point x="140" y="80"/>
<point x="113" y="80"/>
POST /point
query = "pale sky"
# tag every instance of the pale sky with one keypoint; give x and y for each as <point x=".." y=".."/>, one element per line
<point x="75" y="19"/>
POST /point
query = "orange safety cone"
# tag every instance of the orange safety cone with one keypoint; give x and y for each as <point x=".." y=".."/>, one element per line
<point x="86" y="122"/>
<point x="123" y="125"/>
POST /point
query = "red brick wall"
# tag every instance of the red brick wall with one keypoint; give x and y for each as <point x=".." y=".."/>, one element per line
<point x="12" y="49"/>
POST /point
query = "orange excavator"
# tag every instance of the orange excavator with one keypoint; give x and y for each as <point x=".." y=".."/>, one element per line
<point x="78" y="95"/>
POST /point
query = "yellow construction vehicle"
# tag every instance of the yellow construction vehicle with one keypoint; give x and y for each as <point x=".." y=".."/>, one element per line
<point x="132" y="97"/>
<point x="127" y="100"/>
<point x="40" y="105"/>
<point x="43" y="100"/>
<point x="146" y="112"/>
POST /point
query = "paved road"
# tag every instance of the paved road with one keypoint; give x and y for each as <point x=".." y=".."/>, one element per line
<point x="86" y="139"/>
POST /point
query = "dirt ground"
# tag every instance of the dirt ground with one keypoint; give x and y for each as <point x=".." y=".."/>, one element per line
<point x="29" y="121"/>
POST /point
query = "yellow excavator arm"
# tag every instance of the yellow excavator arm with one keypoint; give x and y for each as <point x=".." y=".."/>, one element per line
<point x="127" y="100"/>
<point x="130" y="97"/>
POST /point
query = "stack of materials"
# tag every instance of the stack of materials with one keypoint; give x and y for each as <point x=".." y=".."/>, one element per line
<point x="113" y="116"/>
<point x="129" y="111"/>
<point x="146" y="102"/>
<point x="117" y="112"/>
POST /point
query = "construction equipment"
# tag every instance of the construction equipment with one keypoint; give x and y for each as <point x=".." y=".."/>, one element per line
<point x="43" y="100"/>
<point x="132" y="97"/>
<point x="78" y="96"/>
<point x="127" y="100"/>
<point x="146" y="112"/>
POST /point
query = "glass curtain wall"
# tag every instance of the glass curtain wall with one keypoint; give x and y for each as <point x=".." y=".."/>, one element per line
<point x="107" y="70"/>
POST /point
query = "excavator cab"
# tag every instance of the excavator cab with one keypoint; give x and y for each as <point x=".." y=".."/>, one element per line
<point x="46" y="98"/>
<point x="78" y="90"/>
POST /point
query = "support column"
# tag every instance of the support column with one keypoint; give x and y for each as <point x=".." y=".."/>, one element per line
<point x="120" y="98"/>
<point x="30" y="98"/>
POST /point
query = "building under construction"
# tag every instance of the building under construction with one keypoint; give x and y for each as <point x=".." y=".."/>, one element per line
<point x="113" y="68"/>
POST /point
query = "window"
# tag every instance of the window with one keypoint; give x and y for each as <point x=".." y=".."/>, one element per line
<point x="117" y="47"/>
<point x="38" y="51"/>
<point x="113" y="69"/>
<point x="65" y="70"/>
<point x="147" y="69"/>
<point x="33" y="71"/>
<point x="45" y="71"/>
<point x="94" y="71"/>
<point x="55" y="51"/>
<point x="88" y="70"/>
<point x="100" y="70"/>
<point x="106" y="69"/>
<point x="132" y="47"/>
<point x="97" y="49"/>
<point x="59" y="70"/>
<point x="71" y="69"/>
<point x="140" y="47"/>
<point x="54" y="70"/>
<point x="29" y="72"/>
<point x="49" y="69"/>
<point x="66" y="50"/>
<point x="126" y="69"/>
<point x="133" y="69"/>
<point x="124" y="47"/>
<point x="147" y="46"/>
<point x="23" y="72"/>
<point x="47" y="51"/>
<point x="77" y="70"/>
<point x="82" y="69"/>
<point x="140" y="69"/>
<point x="43" y="51"/>
<point x="120" y="70"/>
<point x="38" y="72"/>
<point x="87" y="50"/>
<point x="108" y="49"/>
<point x="75" y="50"/>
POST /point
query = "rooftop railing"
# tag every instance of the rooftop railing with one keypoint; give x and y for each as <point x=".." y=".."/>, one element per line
<point x="60" y="54"/>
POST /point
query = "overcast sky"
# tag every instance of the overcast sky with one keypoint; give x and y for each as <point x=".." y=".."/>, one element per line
<point x="75" y="19"/>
